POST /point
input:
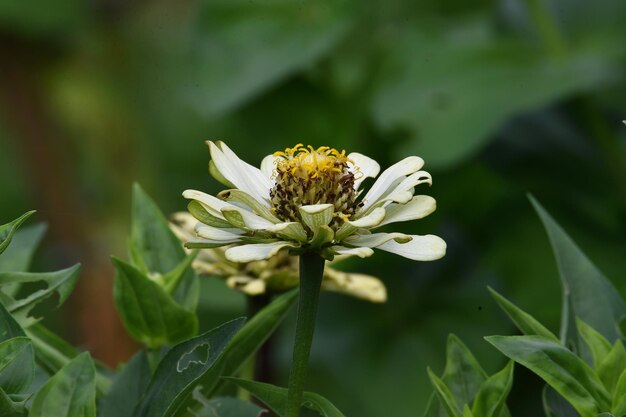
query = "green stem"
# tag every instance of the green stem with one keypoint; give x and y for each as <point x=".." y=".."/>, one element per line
<point x="311" y="272"/>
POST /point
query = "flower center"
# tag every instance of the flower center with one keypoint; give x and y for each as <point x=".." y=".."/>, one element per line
<point x="307" y="176"/>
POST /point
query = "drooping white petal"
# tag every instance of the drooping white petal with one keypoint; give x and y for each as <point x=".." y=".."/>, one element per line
<point x="246" y="284"/>
<point x="420" y="248"/>
<point x="213" y="233"/>
<point x="207" y="243"/>
<point x="376" y="239"/>
<point x="268" y="164"/>
<point x="241" y="197"/>
<point x="362" y="252"/>
<point x="400" y="169"/>
<point x="255" y="251"/>
<point x="362" y="286"/>
<point x="243" y="175"/>
<point x="419" y="207"/>
<point x="363" y="164"/>
<point x="212" y="204"/>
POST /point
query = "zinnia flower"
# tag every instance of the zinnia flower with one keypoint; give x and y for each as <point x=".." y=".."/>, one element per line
<point x="309" y="200"/>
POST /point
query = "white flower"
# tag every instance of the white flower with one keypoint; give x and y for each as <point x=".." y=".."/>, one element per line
<point x="309" y="200"/>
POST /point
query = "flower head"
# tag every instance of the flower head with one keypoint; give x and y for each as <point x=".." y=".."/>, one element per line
<point x="307" y="199"/>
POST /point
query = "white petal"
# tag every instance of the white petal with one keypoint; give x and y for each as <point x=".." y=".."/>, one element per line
<point x="268" y="165"/>
<point x="365" y="165"/>
<point x="360" y="252"/>
<point x="243" y="175"/>
<point x="371" y="220"/>
<point x="255" y="251"/>
<point x="362" y="286"/>
<point x="213" y="233"/>
<point x="249" y="219"/>
<point x="420" y="248"/>
<point x="376" y="239"/>
<point x="403" y="192"/>
<point x="212" y="204"/>
<point x="247" y="285"/>
<point x="400" y="169"/>
<point x="290" y="230"/>
<point x="419" y="207"/>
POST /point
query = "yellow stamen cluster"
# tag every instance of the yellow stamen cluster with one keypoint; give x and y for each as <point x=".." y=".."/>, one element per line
<point x="307" y="176"/>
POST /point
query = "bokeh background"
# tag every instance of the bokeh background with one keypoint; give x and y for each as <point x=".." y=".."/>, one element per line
<point x="499" y="97"/>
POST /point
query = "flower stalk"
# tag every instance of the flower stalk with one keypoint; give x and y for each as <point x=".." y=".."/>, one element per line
<point x="311" y="273"/>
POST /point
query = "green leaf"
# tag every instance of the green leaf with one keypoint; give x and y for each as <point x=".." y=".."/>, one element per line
<point x="172" y="279"/>
<point x="597" y="344"/>
<point x="583" y="285"/>
<point x="17" y="365"/>
<point x="8" y="230"/>
<point x="451" y="105"/>
<point x="9" y="327"/>
<point x="467" y="412"/>
<point x="153" y="241"/>
<point x="180" y="371"/>
<point x="127" y="389"/>
<point x="446" y="398"/>
<point x="612" y="366"/>
<point x="463" y="375"/>
<point x="69" y="393"/>
<point x="17" y="257"/>
<point x="491" y="398"/>
<point x="52" y="353"/>
<point x="227" y="407"/>
<point x="526" y="323"/>
<point x="11" y="408"/>
<point x="246" y="342"/>
<point x="569" y="375"/>
<point x="619" y="399"/>
<point x="276" y="398"/>
<point x="240" y="49"/>
<point x="555" y="405"/>
<point x="148" y="313"/>
<point x="61" y="282"/>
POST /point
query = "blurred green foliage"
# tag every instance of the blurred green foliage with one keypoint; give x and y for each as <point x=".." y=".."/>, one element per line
<point x="499" y="97"/>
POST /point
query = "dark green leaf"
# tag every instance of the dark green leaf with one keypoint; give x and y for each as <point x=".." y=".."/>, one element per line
<point x="52" y="353"/>
<point x="69" y="393"/>
<point x="17" y="365"/>
<point x="526" y="323"/>
<point x="18" y="255"/>
<point x="8" y="230"/>
<point x="228" y="407"/>
<point x="60" y="282"/>
<point x="619" y="399"/>
<point x="10" y="408"/>
<point x="597" y="344"/>
<point x="180" y="371"/>
<point x="234" y="39"/>
<point x="569" y="375"/>
<point x="555" y="405"/>
<point x="612" y="366"/>
<point x="446" y="398"/>
<point x="452" y="103"/>
<point x="154" y="246"/>
<point x="9" y="327"/>
<point x="583" y="285"/>
<point x="148" y="313"/>
<point x="276" y="398"/>
<point x="491" y="398"/>
<point x="127" y="388"/>
<point x="247" y="341"/>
